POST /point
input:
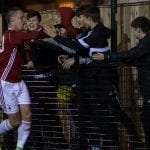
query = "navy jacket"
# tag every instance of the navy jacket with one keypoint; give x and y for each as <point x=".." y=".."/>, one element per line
<point x="140" y="56"/>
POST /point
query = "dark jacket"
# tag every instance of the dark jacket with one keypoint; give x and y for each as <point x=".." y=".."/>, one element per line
<point x="140" y="56"/>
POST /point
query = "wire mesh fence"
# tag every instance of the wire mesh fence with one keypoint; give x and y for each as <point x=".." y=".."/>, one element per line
<point x="84" y="108"/>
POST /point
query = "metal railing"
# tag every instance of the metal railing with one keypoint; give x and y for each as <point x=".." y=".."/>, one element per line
<point x="85" y="106"/>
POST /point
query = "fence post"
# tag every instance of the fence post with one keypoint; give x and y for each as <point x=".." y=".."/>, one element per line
<point x="113" y="25"/>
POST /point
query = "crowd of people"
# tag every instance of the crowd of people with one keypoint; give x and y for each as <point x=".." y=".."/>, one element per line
<point x="69" y="47"/>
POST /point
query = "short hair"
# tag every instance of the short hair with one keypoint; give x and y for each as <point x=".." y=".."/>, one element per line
<point x="12" y="12"/>
<point x="93" y="12"/>
<point x="141" y="22"/>
<point x="32" y="13"/>
<point x="79" y="11"/>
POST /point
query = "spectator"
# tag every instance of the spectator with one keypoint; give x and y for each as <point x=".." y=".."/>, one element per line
<point x="140" y="56"/>
<point x="92" y="104"/>
<point x="66" y="15"/>
<point x="33" y="19"/>
<point x="66" y="89"/>
<point x="111" y="101"/>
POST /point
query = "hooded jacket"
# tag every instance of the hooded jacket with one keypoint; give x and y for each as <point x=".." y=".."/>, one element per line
<point x="66" y="14"/>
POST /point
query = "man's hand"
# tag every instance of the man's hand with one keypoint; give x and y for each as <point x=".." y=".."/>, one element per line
<point x="30" y="65"/>
<point x="61" y="58"/>
<point x="27" y="46"/>
<point x="50" y="31"/>
<point x="65" y="61"/>
<point x="68" y="63"/>
<point x="98" y="56"/>
<point x="62" y="32"/>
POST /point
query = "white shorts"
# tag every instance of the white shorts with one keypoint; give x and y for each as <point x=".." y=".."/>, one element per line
<point x="13" y="94"/>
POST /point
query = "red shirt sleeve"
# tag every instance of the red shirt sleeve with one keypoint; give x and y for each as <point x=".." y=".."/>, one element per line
<point x="17" y="38"/>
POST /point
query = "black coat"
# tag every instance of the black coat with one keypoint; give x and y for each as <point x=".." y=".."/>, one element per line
<point x="140" y="56"/>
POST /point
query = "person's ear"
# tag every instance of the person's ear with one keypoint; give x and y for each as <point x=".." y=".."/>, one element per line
<point x="12" y="18"/>
<point x="90" y="19"/>
<point x="139" y="30"/>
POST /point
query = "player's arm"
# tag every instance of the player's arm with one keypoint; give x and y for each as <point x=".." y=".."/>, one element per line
<point x="18" y="38"/>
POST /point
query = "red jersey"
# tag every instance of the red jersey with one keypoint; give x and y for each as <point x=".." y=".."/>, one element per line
<point x="11" y="53"/>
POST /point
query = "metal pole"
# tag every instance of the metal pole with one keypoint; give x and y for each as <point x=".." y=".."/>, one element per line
<point x="113" y="25"/>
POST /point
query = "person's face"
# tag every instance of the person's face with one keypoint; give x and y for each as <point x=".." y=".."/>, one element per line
<point x="81" y="21"/>
<point x="137" y="33"/>
<point x="87" y="21"/>
<point x="33" y="23"/>
<point x="18" y="20"/>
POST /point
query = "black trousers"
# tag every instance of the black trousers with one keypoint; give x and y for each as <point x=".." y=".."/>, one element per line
<point x="100" y="107"/>
<point x="121" y="116"/>
<point x="97" y="127"/>
<point x="146" y="121"/>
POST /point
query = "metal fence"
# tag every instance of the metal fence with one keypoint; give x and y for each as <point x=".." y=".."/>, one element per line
<point x="86" y="106"/>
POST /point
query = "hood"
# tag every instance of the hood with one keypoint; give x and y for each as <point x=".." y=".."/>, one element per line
<point x="66" y="14"/>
